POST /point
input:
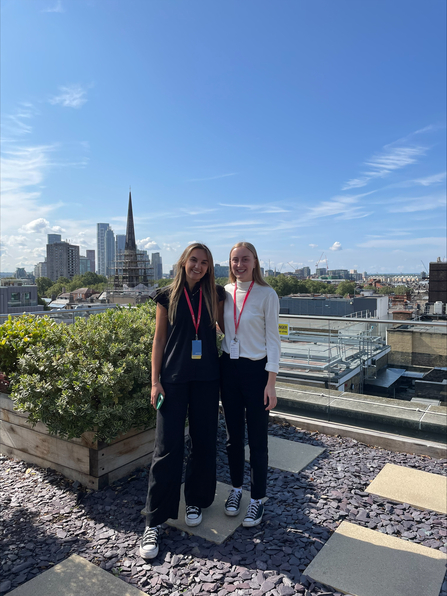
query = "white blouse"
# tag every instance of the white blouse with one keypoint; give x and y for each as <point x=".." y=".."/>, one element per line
<point x="257" y="333"/>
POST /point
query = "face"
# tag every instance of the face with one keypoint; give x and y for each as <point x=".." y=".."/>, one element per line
<point x="242" y="263"/>
<point x="196" y="266"/>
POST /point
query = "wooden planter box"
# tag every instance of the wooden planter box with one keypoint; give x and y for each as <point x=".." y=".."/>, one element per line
<point x="92" y="463"/>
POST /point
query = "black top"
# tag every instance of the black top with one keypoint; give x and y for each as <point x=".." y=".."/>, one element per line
<point x="177" y="365"/>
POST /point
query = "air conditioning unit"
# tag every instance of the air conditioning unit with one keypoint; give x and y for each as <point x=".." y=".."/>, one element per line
<point x="371" y="372"/>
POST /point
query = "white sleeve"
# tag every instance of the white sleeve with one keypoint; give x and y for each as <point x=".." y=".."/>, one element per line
<point x="272" y="339"/>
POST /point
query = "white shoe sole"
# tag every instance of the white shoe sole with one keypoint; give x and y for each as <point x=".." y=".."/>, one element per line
<point x="149" y="555"/>
<point x="193" y="522"/>
<point x="232" y="513"/>
<point x="251" y="523"/>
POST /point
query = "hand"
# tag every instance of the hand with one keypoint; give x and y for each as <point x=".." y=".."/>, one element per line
<point x="156" y="389"/>
<point x="270" y="396"/>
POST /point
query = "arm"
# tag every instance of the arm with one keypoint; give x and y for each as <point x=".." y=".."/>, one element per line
<point x="270" y="392"/>
<point x="220" y="315"/>
<point x="158" y="348"/>
<point x="273" y="344"/>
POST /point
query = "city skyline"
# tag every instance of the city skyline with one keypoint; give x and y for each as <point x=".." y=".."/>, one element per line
<point x="314" y="128"/>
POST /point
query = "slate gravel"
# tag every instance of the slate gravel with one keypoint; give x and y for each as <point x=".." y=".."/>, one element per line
<point x="45" y="518"/>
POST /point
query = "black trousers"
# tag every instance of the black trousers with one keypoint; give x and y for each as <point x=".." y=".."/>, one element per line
<point x="201" y="401"/>
<point x="242" y="393"/>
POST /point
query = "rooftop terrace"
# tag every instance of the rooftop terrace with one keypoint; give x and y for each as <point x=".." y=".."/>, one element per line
<point x="387" y="543"/>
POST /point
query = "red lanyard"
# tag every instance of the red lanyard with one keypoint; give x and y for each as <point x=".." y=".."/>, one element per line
<point x="199" y="314"/>
<point x="236" y="323"/>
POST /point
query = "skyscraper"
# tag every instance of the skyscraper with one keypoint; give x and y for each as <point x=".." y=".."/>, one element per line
<point x="62" y="260"/>
<point x="157" y="265"/>
<point x="101" y="229"/>
<point x="109" y="241"/>
<point x="90" y="254"/>
<point x="52" y="238"/>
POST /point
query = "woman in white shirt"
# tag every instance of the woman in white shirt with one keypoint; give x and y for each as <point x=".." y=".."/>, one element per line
<point x="249" y="365"/>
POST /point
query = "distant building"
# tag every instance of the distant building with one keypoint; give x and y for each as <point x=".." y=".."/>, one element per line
<point x="90" y="254"/>
<point x="109" y="243"/>
<point x="101" y="230"/>
<point x="320" y="271"/>
<point x="40" y="270"/>
<point x="157" y="265"/>
<point x="52" y="238"/>
<point x="437" y="284"/>
<point x="413" y="345"/>
<point x="302" y="273"/>
<point x="62" y="260"/>
<point x="84" y="265"/>
<point x="18" y="296"/>
<point x="376" y="306"/>
<point x="269" y="273"/>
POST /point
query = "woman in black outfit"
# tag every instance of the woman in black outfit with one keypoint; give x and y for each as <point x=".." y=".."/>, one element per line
<point x="185" y="370"/>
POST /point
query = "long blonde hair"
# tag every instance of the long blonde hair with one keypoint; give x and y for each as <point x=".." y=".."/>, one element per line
<point x="207" y="281"/>
<point x="257" y="275"/>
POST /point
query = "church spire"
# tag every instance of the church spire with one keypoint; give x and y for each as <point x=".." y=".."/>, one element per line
<point x="130" y="230"/>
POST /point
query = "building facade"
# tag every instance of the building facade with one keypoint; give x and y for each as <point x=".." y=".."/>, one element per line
<point x="437" y="284"/>
<point x="62" y="260"/>
<point x="18" y="296"/>
<point x="52" y="238"/>
<point x="84" y="265"/>
<point x="157" y="265"/>
<point x="90" y="254"/>
<point x="101" y="230"/>
<point x="109" y="243"/>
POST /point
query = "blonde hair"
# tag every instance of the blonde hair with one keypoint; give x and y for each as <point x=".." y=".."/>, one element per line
<point x="207" y="281"/>
<point x="257" y="275"/>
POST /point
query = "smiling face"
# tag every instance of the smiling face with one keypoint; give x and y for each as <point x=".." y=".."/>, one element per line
<point x="196" y="266"/>
<point x="242" y="262"/>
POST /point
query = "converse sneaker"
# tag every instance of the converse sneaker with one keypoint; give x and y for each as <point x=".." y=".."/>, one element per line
<point x="149" y="543"/>
<point x="193" y="516"/>
<point x="233" y="503"/>
<point x="254" y="514"/>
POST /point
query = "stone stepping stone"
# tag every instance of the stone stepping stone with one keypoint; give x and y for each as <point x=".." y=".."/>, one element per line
<point x="406" y="485"/>
<point x="216" y="526"/>
<point x="75" y="577"/>
<point x="364" y="562"/>
<point x="289" y="455"/>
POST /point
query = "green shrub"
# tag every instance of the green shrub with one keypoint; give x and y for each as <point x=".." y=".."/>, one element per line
<point x="94" y="375"/>
<point x="17" y="335"/>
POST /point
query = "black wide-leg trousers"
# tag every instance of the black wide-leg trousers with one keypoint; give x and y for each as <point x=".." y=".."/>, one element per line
<point x="242" y="393"/>
<point x="200" y="400"/>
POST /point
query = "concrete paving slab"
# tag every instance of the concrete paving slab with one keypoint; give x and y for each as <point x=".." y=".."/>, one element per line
<point x="364" y="562"/>
<point x="289" y="455"/>
<point x="216" y="526"/>
<point x="406" y="485"/>
<point x="75" y="577"/>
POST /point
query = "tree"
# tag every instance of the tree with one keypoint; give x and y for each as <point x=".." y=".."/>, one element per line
<point x="346" y="287"/>
<point x="43" y="283"/>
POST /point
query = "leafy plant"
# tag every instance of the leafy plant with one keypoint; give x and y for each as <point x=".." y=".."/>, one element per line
<point x="94" y="375"/>
<point x="17" y="335"/>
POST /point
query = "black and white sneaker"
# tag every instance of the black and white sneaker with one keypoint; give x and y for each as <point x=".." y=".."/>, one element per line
<point x="254" y="514"/>
<point x="193" y="515"/>
<point x="233" y="503"/>
<point x="149" y="543"/>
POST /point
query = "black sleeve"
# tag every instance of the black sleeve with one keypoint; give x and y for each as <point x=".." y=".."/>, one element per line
<point x="220" y="293"/>
<point x="161" y="296"/>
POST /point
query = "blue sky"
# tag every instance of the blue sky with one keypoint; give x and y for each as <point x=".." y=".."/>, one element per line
<point x="304" y="127"/>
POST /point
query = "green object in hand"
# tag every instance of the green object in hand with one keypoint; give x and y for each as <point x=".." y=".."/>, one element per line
<point x="160" y="400"/>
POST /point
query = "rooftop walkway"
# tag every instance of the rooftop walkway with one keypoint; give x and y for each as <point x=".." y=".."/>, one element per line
<point x="341" y="517"/>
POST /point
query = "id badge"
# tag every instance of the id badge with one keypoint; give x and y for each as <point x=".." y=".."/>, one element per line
<point x="196" y="349"/>
<point x="234" y="349"/>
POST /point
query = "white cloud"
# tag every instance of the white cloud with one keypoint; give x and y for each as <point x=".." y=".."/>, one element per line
<point x="71" y="96"/>
<point x="393" y="157"/>
<point x="147" y="244"/>
<point x="56" y="8"/>
<point x="212" y="177"/>
<point x="415" y="204"/>
<point x="336" y="246"/>
<point x="260" y="208"/>
<point x="313" y="245"/>
<point x="393" y="243"/>
<point x="429" y="180"/>
<point x="171" y="247"/>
